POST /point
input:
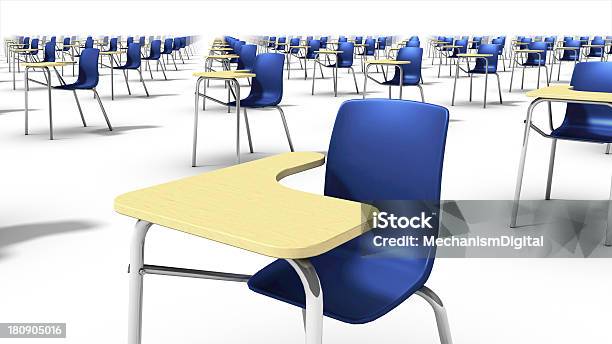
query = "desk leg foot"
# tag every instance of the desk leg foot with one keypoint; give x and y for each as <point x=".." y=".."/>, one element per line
<point x="440" y="313"/>
<point x="313" y="317"/>
<point x="135" y="275"/>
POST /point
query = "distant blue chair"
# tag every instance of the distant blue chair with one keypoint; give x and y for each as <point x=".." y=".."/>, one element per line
<point x="583" y="122"/>
<point x="410" y="73"/>
<point x="266" y="90"/>
<point x="281" y="44"/>
<point x="323" y="40"/>
<point x="381" y="44"/>
<point x="413" y="43"/>
<point x="584" y="40"/>
<point x="129" y="40"/>
<point x="571" y="55"/>
<point x="501" y="43"/>
<point x="113" y="44"/>
<point x="486" y="66"/>
<point x="342" y="39"/>
<point x="271" y="43"/>
<point x="313" y="46"/>
<point x="296" y="52"/>
<point x="476" y="42"/>
<point x="368" y="50"/>
<point x="133" y="63"/>
<point x="168" y="50"/>
<point x="344" y="60"/>
<point x="155" y="55"/>
<point x="89" y="42"/>
<point x="87" y="80"/>
<point x="463" y="48"/>
<point x="176" y="47"/>
<point x="359" y="40"/>
<point x="596" y="51"/>
<point x="357" y="283"/>
<point x="49" y="52"/>
<point x="248" y="53"/>
<point x="534" y="60"/>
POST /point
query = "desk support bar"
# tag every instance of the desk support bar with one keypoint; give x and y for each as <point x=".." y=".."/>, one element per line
<point x="181" y="272"/>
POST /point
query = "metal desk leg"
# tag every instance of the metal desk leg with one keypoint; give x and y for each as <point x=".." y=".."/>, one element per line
<point x="46" y="70"/>
<point x="455" y="84"/>
<point x="609" y="225"/>
<point x="112" y="77"/>
<point x="195" y="122"/>
<point x="13" y="71"/>
<point x="135" y="275"/>
<point x="26" y="89"/>
<point x="235" y="81"/>
<point x="365" y="81"/>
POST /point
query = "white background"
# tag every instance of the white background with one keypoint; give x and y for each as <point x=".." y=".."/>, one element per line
<point x="64" y="251"/>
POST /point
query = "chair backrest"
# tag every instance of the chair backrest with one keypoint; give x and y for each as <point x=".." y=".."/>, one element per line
<point x="415" y="43"/>
<point x="597" y="52"/>
<point x="573" y="54"/>
<point x="34" y="45"/>
<point x="66" y="42"/>
<point x="89" y="42"/>
<point x="272" y="41"/>
<point x="176" y="45"/>
<point x="345" y="58"/>
<point x="584" y="40"/>
<point x="359" y="39"/>
<point x="26" y="42"/>
<point x="183" y="42"/>
<point x="54" y="39"/>
<point x="323" y="41"/>
<point x="342" y="39"/>
<point x="133" y="56"/>
<point x="155" y="52"/>
<point x="313" y="45"/>
<point x="308" y="39"/>
<point x="130" y="40"/>
<point x="499" y="42"/>
<point x="49" y="53"/>
<point x="248" y="53"/>
<point x="281" y="43"/>
<point x="168" y="45"/>
<point x="113" y="44"/>
<point x="463" y="43"/>
<point x="382" y="42"/>
<point x="492" y="49"/>
<point x="525" y="40"/>
<point x="550" y="41"/>
<point x="411" y="71"/>
<point x="88" y="67"/>
<point x="268" y="82"/>
<point x="372" y="153"/>
<point x="590" y="77"/>
<point x="370" y="45"/>
<point x="534" y="58"/>
<point x="294" y="42"/>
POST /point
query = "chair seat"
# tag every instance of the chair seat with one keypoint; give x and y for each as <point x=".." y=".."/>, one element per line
<point x="408" y="80"/>
<point x="535" y="63"/>
<point x="351" y="284"/>
<point x="75" y="86"/>
<point x="564" y="58"/>
<point x="481" y="70"/>
<point x="599" y="134"/>
<point x="256" y="102"/>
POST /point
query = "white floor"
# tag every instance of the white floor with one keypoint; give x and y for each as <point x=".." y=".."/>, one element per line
<point x="64" y="251"/>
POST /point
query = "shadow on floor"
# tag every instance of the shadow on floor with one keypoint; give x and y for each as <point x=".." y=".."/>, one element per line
<point x="5" y="111"/>
<point x="16" y="234"/>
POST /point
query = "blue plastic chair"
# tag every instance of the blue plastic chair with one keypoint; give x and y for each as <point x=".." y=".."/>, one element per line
<point x="313" y="46"/>
<point x="477" y="40"/>
<point x="176" y="47"/>
<point x="368" y="50"/>
<point x="344" y="60"/>
<point x="89" y="43"/>
<point x="356" y="283"/>
<point x="248" y="53"/>
<point x="596" y="52"/>
<point x="463" y="48"/>
<point x="501" y="43"/>
<point x="413" y="43"/>
<point x="266" y="90"/>
<point x="155" y="55"/>
<point x="168" y="50"/>
<point x="572" y="55"/>
<point x="486" y="66"/>
<point x="342" y="39"/>
<point x="32" y="55"/>
<point x="359" y="40"/>
<point x="49" y="52"/>
<point x="534" y="60"/>
<point x="583" y="122"/>
<point x="87" y="80"/>
<point x="281" y="44"/>
<point x="323" y="40"/>
<point x="271" y="42"/>
<point x="133" y="63"/>
<point x="113" y="44"/>
<point x="411" y="72"/>
<point x="584" y="40"/>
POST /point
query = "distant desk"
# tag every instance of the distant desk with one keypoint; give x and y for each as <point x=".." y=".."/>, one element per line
<point x="561" y="94"/>
<point x="515" y="61"/>
<point x="224" y="59"/>
<point x="242" y="206"/>
<point x="231" y="79"/>
<point x="15" y="57"/>
<point x="111" y="58"/>
<point x="299" y="48"/>
<point x="475" y="56"/>
<point x="45" y="67"/>
<point x="318" y="61"/>
<point x="396" y="63"/>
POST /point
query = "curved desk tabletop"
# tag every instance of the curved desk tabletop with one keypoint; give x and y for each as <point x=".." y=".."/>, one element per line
<point x="244" y="206"/>
<point x="388" y="62"/>
<point x="48" y="64"/>
<point x="565" y="93"/>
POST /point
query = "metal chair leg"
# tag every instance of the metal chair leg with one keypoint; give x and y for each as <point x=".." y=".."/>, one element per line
<point x="160" y="63"/>
<point x="313" y="315"/>
<point x="286" y="127"/>
<point x="551" y="166"/>
<point x="125" y="76"/>
<point x="143" y="82"/>
<point x="499" y="88"/>
<point x="174" y="61"/>
<point x="79" y="106"/>
<point x="97" y="96"/>
<point x="150" y="70"/>
<point x="440" y="313"/>
<point x="248" y="129"/>
<point x="354" y="79"/>
<point x="421" y="91"/>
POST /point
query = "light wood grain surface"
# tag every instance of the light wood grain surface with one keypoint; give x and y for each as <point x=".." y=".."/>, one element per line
<point x="244" y="206"/>
<point x="565" y="92"/>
